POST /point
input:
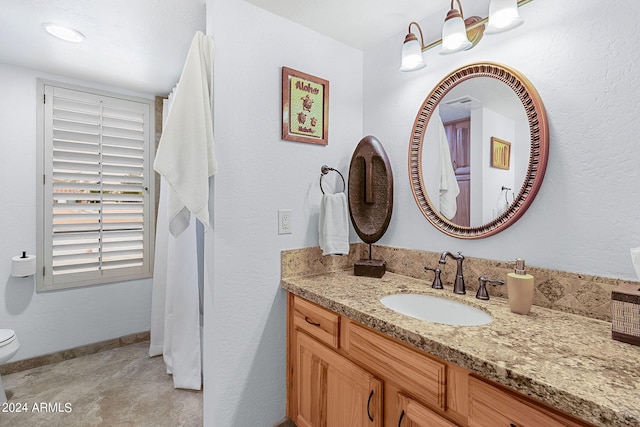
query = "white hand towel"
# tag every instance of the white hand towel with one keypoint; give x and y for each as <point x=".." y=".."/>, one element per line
<point x="334" y="224"/>
<point x="501" y="203"/>
<point x="185" y="156"/>
<point x="449" y="188"/>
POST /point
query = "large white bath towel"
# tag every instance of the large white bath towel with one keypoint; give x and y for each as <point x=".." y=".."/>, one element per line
<point x="175" y="312"/>
<point x="449" y="188"/>
<point x="334" y="224"/>
<point x="185" y="156"/>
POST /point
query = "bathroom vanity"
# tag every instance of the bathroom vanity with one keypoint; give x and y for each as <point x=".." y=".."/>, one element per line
<point x="353" y="361"/>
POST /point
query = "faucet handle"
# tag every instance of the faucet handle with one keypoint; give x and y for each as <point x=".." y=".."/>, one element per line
<point x="437" y="281"/>
<point x="482" y="287"/>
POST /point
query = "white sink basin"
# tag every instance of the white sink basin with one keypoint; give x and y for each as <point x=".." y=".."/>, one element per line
<point x="435" y="309"/>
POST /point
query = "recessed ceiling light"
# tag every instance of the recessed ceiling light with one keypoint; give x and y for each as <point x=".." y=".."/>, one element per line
<point x="62" y="32"/>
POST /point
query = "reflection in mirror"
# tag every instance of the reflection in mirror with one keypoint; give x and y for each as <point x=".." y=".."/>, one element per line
<point x="457" y="151"/>
<point x="478" y="151"/>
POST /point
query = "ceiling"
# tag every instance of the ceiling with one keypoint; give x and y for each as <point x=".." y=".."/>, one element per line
<point x="141" y="45"/>
<point x="138" y="45"/>
<point x="359" y="23"/>
<point x="367" y="23"/>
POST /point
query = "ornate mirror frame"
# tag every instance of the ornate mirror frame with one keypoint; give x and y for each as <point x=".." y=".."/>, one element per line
<point x="539" y="132"/>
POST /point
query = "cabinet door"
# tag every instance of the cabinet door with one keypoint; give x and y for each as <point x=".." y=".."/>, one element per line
<point x="413" y="414"/>
<point x="332" y="391"/>
<point x="310" y="379"/>
<point x="459" y="136"/>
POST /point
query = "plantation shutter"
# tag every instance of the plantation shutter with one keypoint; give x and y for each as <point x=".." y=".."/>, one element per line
<point x="96" y="188"/>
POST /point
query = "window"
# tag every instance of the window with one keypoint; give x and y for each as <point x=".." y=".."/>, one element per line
<point x="96" y="209"/>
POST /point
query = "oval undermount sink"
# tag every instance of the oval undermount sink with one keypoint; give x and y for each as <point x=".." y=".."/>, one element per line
<point x="435" y="309"/>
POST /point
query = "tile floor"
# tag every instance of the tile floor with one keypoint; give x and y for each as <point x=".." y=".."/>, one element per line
<point x="119" y="387"/>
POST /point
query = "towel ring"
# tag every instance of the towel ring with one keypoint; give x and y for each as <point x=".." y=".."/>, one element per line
<point x="506" y="194"/>
<point x="325" y="170"/>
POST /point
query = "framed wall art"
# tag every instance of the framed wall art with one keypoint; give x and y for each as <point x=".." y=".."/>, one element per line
<point x="305" y="107"/>
<point x="500" y="153"/>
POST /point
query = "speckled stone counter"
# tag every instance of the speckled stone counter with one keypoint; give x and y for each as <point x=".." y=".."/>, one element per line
<point x="565" y="360"/>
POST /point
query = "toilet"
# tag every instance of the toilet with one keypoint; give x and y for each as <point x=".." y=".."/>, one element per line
<point x="9" y="346"/>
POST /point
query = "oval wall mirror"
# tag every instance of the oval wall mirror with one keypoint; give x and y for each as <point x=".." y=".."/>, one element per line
<point x="478" y="150"/>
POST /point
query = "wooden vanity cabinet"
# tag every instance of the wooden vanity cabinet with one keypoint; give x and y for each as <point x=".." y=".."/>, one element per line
<point x="334" y="378"/>
<point x="341" y="373"/>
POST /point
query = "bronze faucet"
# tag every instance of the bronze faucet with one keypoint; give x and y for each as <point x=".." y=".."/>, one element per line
<point x="458" y="285"/>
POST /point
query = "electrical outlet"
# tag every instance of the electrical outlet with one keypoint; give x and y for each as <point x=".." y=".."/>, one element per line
<point x="284" y="221"/>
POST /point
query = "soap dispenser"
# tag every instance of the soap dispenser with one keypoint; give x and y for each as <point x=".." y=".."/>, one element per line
<point x="520" y="288"/>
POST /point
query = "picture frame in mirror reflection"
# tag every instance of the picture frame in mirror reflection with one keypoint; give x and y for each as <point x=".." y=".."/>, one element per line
<point x="305" y="107"/>
<point x="500" y="153"/>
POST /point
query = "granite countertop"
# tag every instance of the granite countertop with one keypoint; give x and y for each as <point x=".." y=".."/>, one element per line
<point x="565" y="360"/>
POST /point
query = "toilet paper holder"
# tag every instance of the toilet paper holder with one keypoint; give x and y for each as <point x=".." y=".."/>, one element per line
<point x="23" y="266"/>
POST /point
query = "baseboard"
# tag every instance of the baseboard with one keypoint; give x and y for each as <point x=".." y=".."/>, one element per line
<point x="285" y="422"/>
<point x="59" y="356"/>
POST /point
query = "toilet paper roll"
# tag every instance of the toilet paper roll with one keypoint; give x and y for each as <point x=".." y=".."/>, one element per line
<point x="23" y="267"/>
<point x="635" y="259"/>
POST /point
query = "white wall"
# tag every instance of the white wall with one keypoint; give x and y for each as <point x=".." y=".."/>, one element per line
<point x="49" y="321"/>
<point x="258" y="174"/>
<point x="583" y="59"/>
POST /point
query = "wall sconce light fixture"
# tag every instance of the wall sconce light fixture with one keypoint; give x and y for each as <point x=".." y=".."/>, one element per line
<point x="454" y="31"/>
<point x="459" y="33"/>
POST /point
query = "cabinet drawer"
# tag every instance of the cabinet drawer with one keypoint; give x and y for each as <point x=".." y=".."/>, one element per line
<point x="413" y="414"/>
<point x="419" y="375"/>
<point x="491" y="406"/>
<point x="317" y="321"/>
